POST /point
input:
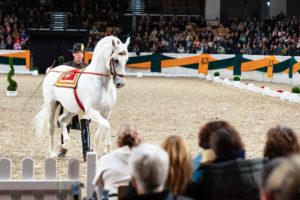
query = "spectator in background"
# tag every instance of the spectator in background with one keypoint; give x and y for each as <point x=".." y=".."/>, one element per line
<point x="281" y="141"/>
<point x="112" y="168"/>
<point x="2" y="44"/>
<point x="9" y="42"/>
<point x="181" y="49"/>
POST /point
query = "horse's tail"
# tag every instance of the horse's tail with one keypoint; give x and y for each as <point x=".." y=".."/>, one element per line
<point x="41" y="122"/>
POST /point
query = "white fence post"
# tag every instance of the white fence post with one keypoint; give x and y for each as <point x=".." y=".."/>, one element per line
<point x="5" y="174"/>
<point x="91" y="172"/>
<point x="50" y="174"/>
<point x="27" y="174"/>
<point x="73" y="174"/>
<point x="27" y="188"/>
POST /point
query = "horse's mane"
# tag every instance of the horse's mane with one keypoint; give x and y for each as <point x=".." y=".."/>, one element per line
<point x="105" y="40"/>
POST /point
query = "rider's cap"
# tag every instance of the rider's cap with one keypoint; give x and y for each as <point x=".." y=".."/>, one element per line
<point x="77" y="47"/>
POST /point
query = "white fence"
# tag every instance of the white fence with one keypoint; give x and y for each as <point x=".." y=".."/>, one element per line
<point x="49" y="188"/>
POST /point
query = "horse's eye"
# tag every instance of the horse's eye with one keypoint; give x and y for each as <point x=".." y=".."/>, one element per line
<point x="116" y="61"/>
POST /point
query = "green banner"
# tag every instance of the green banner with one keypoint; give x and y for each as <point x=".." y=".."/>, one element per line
<point x="17" y="61"/>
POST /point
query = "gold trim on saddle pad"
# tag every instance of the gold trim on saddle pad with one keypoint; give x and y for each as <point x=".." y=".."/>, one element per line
<point x="69" y="79"/>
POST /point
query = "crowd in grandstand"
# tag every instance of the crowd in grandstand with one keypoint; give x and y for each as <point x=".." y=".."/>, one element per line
<point x="153" y="172"/>
<point x="276" y="36"/>
<point x="271" y="36"/>
<point x="17" y="16"/>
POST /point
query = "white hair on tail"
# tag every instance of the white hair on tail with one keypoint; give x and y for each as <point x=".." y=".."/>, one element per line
<point x="41" y="122"/>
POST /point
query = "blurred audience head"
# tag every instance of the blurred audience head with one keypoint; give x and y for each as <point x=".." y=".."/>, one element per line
<point x="149" y="166"/>
<point x="128" y="135"/>
<point x="225" y="142"/>
<point x="281" y="179"/>
<point x="180" y="171"/>
<point x="206" y="131"/>
<point x="281" y="141"/>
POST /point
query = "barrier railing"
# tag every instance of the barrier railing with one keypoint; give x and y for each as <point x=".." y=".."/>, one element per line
<point x="50" y="187"/>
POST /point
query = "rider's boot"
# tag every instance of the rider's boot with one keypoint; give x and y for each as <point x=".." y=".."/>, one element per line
<point x="85" y="137"/>
<point x="63" y="151"/>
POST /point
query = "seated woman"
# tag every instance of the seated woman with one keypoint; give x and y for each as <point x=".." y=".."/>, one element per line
<point x="230" y="174"/>
<point x="180" y="170"/>
<point x="205" y="155"/>
<point x="112" y="168"/>
<point x="227" y="145"/>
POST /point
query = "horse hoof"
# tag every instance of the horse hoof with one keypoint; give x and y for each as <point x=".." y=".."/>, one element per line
<point x="106" y="125"/>
<point x="62" y="153"/>
<point x="53" y="155"/>
<point x="65" y="147"/>
<point x="105" y="151"/>
<point x="66" y="139"/>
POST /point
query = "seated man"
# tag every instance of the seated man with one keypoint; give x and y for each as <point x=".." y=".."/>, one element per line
<point x="149" y="167"/>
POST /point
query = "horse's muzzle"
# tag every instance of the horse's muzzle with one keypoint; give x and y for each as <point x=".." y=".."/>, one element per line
<point x="119" y="82"/>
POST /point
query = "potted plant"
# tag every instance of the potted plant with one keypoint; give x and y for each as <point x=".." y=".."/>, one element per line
<point x="60" y="60"/>
<point x="296" y="90"/>
<point x="217" y="74"/>
<point x="12" y="86"/>
<point x="295" y="95"/>
<point x="236" y="81"/>
<point x="35" y="71"/>
<point x="236" y="78"/>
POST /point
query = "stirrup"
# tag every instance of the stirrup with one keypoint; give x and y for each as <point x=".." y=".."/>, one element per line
<point x="62" y="152"/>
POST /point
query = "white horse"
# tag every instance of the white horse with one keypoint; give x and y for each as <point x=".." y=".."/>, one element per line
<point x="96" y="91"/>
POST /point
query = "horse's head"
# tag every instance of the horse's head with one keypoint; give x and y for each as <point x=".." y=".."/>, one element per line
<point x="117" y="61"/>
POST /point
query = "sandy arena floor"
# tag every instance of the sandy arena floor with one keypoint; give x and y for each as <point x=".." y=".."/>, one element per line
<point x="158" y="106"/>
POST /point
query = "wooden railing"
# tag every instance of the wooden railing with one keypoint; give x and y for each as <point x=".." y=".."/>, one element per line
<point x="50" y="187"/>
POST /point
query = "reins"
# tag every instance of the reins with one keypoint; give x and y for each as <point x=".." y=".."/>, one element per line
<point x="92" y="73"/>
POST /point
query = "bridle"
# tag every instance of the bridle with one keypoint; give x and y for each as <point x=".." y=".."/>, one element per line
<point x="113" y="71"/>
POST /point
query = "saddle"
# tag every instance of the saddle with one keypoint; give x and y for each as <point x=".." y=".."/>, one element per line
<point x="69" y="79"/>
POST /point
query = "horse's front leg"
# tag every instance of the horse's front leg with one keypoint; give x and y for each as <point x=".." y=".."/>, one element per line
<point x="103" y="127"/>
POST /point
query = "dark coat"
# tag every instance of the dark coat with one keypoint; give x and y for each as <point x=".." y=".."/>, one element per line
<point x="73" y="64"/>
<point x="165" y="195"/>
<point x="232" y="180"/>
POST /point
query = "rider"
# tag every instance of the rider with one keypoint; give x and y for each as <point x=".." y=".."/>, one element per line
<point x="77" y="62"/>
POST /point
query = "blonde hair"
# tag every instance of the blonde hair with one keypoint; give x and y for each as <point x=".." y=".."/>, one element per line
<point x="181" y="169"/>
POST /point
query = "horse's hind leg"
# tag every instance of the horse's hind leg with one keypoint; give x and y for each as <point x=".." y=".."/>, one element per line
<point x="52" y="128"/>
<point x="64" y="120"/>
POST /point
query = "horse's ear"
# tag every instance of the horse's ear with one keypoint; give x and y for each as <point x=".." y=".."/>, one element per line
<point x="127" y="41"/>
